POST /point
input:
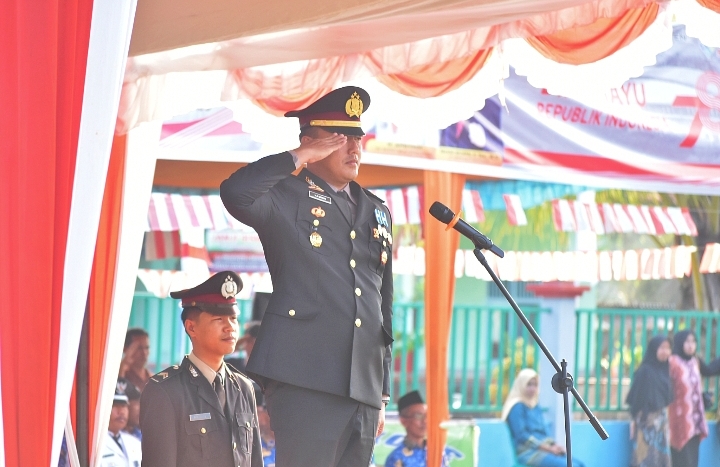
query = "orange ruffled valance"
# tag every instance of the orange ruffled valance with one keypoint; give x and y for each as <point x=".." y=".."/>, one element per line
<point x="588" y="44"/>
<point x="422" y="81"/>
<point x="713" y="5"/>
<point x="436" y="79"/>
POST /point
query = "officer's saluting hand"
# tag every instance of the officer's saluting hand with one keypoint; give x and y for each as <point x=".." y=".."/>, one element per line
<point x="202" y="412"/>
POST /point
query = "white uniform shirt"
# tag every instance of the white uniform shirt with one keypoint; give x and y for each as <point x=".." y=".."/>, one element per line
<point x="129" y="456"/>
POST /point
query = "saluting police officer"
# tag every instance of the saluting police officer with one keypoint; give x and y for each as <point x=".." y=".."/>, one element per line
<point x="202" y="412"/>
<point x="323" y="350"/>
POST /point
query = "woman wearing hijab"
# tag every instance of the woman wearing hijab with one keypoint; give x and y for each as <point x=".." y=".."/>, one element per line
<point x="650" y="394"/>
<point x="686" y="413"/>
<point x="530" y="438"/>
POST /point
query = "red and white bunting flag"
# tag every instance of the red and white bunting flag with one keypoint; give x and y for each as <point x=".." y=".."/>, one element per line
<point x="162" y="245"/>
<point x="678" y="220"/>
<point x="160" y="212"/>
<point x="623" y="219"/>
<point x="710" y="262"/>
<point x="647" y="217"/>
<point x="399" y="215"/>
<point x="582" y="219"/>
<point x="637" y="219"/>
<point x="413" y="203"/>
<point x="610" y="220"/>
<point x="472" y="206"/>
<point x="690" y="222"/>
<point x="663" y="224"/>
<point x="563" y="217"/>
<point x="514" y="209"/>
<point x="596" y="220"/>
<point x="194" y="259"/>
<point x="217" y="212"/>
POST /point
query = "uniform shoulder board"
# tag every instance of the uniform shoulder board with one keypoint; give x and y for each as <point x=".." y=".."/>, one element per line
<point x="373" y="195"/>
<point x="167" y="373"/>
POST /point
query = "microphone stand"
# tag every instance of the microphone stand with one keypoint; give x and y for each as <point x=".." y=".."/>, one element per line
<point x="562" y="381"/>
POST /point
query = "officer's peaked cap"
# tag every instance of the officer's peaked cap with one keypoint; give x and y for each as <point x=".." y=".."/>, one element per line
<point x="337" y="111"/>
<point x="216" y="295"/>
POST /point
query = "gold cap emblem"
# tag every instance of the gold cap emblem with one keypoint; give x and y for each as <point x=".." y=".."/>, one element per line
<point x="229" y="288"/>
<point x="354" y="106"/>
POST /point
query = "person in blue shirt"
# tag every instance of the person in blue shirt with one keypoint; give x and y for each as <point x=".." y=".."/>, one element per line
<point x="533" y="445"/>
<point x="267" y="435"/>
<point x="413" y="450"/>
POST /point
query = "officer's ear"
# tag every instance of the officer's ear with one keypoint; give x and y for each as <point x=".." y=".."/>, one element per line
<point x="190" y="318"/>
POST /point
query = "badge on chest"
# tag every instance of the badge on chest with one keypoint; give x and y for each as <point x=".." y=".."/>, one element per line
<point x="320" y="197"/>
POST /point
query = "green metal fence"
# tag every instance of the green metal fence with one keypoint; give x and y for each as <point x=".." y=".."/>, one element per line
<point x="611" y="343"/>
<point x="488" y="346"/>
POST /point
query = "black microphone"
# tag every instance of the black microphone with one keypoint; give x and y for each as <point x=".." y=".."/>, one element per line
<point x="443" y="213"/>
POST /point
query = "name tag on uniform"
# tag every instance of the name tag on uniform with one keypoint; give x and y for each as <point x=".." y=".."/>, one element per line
<point x="320" y="197"/>
<point x="199" y="416"/>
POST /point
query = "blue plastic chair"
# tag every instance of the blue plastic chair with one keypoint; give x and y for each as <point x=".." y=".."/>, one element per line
<point x="516" y="463"/>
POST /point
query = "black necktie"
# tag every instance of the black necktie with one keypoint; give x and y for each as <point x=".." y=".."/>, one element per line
<point x="350" y="211"/>
<point x="117" y="440"/>
<point x="219" y="390"/>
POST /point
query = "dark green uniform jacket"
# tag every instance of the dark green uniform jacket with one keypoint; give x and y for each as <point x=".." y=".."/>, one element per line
<point x="183" y="425"/>
<point x="328" y="325"/>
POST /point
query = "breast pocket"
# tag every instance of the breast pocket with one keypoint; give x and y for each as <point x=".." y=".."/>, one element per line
<point x="204" y="438"/>
<point x="245" y="426"/>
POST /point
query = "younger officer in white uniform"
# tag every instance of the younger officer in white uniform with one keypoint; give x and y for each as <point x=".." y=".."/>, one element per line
<point x="121" y="449"/>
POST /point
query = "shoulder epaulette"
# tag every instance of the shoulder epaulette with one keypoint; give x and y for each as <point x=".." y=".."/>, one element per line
<point x="167" y="373"/>
<point x="373" y="195"/>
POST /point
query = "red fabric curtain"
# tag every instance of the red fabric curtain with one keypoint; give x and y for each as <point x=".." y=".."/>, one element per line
<point x="44" y="46"/>
<point x="438" y="78"/>
<point x="588" y="44"/>
<point x="440" y="248"/>
<point x="713" y="5"/>
<point x="102" y="281"/>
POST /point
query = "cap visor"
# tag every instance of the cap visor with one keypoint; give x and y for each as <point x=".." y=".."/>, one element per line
<point x="343" y="130"/>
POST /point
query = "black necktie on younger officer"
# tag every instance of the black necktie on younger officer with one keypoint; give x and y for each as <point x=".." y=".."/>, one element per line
<point x="220" y="391"/>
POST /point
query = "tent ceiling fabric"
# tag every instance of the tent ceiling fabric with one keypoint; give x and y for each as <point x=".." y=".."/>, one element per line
<point x="276" y="31"/>
<point x="164" y="84"/>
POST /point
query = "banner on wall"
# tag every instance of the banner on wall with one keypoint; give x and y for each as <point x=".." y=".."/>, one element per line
<point x="658" y="132"/>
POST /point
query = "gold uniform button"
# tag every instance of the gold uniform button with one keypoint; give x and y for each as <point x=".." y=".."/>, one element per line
<point x="358" y="292"/>
<point x="291" y="312"/>
<point x="352" y="263"/>
<point x="202" y="430"/>
<point x="352" y="234"/>
<point x="358" y="323"/>
<point x="316" y="222"/>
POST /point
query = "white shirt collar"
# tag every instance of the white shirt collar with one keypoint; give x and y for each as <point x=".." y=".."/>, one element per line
<point x="206" y="370"/>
